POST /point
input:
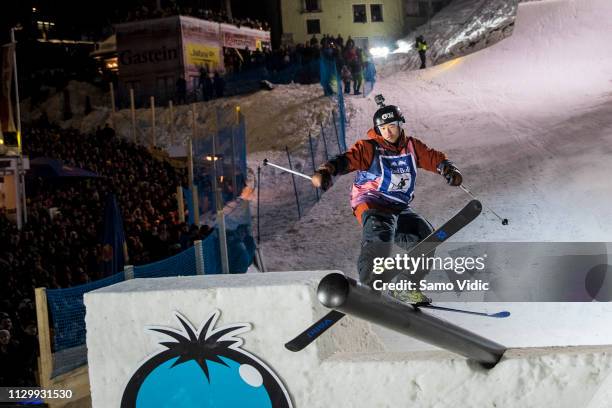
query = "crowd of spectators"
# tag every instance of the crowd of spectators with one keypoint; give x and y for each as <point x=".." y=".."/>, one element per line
<point x="299" y="63"/>
<point x="60" y="246"/>
<point x="145" y="13"/>
<point x="350" y="62"/>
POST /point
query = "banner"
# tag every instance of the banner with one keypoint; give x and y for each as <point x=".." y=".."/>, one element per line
<point x="7" y="123"/>
<point x="149" y="49"/>
<point x="114" y="247"/>
<point x="198" y="54"/>
<point x="241" y="38"/>
<point x="200" y="45"/>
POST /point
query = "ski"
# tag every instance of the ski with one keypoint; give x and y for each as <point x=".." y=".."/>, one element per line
<point x="310" y="334"/>
<point x="466" y="215"/>
<point x="499" y="315"/>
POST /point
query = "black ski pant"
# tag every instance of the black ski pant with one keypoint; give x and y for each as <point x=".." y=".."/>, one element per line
<point x="347" y="86"/>
<point x="380" y="231"/>
<point x="422" y="56"/>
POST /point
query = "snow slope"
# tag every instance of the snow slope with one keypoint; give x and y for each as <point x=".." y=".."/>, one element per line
<point x="528" y="121"/>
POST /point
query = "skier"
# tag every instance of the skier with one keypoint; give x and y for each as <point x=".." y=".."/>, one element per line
<point x="421" y="46"/>
<point x="380" y="197"/>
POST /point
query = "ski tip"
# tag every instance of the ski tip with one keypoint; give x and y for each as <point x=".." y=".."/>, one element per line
<point x="292" y="347"/>
<point x="501" y="314"/>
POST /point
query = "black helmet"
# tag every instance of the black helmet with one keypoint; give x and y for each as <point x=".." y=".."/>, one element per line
<point x="387" y="114"/>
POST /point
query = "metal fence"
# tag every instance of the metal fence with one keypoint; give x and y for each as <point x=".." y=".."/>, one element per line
<point x="289" y="191"/>
<point x="220" y="165"/>
<point x="220" y="161"/>
<point x="238" y="83"/>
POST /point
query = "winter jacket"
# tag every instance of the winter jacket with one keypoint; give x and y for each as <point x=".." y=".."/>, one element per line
<point x="386" y="173"/>
<point x="346" y="74"/>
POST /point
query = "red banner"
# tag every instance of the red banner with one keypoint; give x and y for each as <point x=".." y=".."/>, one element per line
<point x="243" y="37"/>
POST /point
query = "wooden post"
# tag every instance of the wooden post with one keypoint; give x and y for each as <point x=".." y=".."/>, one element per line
<point x="44" y="337"/>
<point x="171" y="123"/>
<point x="181" y="204"/>
<point x="196" y="204"/>
<point x="153" y="141"/>
<point x="222" y="233"/>
<point x="133" y="110"/>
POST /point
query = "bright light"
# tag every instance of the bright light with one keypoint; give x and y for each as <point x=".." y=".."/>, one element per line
<point x="403" y="47"/>
<point x="210" y="158"/>
<point x="379" y="52"/>
<point x="112" y="64"/>
<point x="33" y="9"/>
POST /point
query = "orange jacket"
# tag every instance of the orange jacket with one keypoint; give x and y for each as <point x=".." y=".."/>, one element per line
<point x="360" y="156"/>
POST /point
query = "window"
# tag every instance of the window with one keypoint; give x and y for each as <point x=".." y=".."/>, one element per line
<point x="376" y="13"/>
<point x="359" y="13"/>
<point x="312" y="5"/>
<point x="313" y="26"/>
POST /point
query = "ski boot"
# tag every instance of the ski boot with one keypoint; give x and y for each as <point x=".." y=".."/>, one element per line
<point x="414" y="297"/>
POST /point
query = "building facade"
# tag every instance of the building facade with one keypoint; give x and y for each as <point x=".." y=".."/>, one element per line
<point x="370" y="23"/>
<point x="153" y="54"/>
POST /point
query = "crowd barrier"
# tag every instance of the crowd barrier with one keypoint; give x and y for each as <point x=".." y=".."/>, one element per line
<point x="65" y="306"/>
<point x="220" y="161"/>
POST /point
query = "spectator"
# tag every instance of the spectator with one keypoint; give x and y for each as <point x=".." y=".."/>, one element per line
<point x="181" y="90"/>
<point x="59" y="246"/>
<point x="205" y="84"/>
<point x="340" y="41"/>
<point x="347" y="77"/>
<point x="10" y="367"/>
<point x="421" y="46"/>
<point x="219" y="85"/>
<point x="209" y="89"/>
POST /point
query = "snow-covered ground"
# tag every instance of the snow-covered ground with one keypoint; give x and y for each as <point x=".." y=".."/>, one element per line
<point x="462" y="27"/>
<point x="528" y="121"/>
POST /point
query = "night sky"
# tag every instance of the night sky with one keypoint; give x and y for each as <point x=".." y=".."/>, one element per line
<point x="90" y="17"/>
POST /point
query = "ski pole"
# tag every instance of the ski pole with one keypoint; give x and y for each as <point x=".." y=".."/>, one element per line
<point x="504" y="221"/>
<point x="297" y="173"/>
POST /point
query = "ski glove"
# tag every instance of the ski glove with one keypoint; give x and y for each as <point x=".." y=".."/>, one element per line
<point x="322" y="178"/>
<point x="450" y="172"/>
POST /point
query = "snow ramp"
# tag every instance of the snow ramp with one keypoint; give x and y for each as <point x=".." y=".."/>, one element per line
<point x="346" y="367"/>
